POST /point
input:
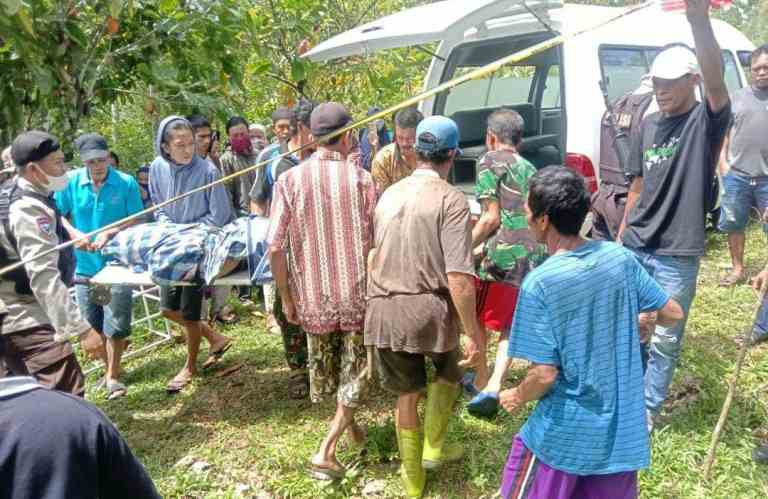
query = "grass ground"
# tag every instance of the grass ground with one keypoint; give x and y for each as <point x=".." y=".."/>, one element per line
<point x="239" y="435"/>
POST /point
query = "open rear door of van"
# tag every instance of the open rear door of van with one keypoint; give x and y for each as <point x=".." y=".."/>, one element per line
<point x="424" y="24"/>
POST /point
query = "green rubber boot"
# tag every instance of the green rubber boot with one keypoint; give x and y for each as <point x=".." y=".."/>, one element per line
<point x="440" y="399"/>
<point x="412" y="474"/>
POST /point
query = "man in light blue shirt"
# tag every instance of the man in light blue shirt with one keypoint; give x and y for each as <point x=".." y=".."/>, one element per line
<point x="96" y="196"/>
<point x="577" y="323"/>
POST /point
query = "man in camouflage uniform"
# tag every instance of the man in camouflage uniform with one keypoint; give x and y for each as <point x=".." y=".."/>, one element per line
<point x="508" y="250"/>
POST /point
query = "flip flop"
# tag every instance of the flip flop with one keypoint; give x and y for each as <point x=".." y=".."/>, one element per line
<point x="485" y="405"/>
<point x="731" y="280"/>
<point x="116" y="390"/>
<point x="215" y="357"/>
<point x="327" y="473"/>
<point x="176" y="385"/>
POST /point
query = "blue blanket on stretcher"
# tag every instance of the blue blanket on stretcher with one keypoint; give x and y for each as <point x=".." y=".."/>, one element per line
<point x="191" y="252"/>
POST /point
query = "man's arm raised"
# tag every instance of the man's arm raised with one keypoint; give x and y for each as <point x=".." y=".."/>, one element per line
<point x="708" y="52"/>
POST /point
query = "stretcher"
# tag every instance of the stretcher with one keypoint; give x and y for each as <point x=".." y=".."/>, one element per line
<point x="146" y="293"/>
<point x="113" y="275"/>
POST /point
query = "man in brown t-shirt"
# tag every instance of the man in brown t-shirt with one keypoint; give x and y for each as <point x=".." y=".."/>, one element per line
<point x="421" y="276"/>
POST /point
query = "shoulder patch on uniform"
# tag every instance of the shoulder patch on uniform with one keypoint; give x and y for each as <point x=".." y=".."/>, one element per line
<point x="45" y="225"/>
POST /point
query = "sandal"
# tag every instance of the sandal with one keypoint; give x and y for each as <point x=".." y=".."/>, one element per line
<point x="116" y="390"/>
<point x="176" y="385"/>
<point x="226" y="316"/>
<point x="326" y="472"/>
<point x="215" y="357"/>
<point x="299" y="385"/>
<point x="731" y="280"/>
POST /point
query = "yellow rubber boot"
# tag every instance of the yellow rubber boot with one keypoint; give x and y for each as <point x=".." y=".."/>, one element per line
<point x="410" y="443"/>
<point x="440" y="399"/>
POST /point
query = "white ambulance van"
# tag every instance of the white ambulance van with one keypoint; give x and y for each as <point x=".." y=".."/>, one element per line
<point x="557" y="92"/>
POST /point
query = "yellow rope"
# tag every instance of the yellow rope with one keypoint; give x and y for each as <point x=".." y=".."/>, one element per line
<point x="475" y="74"/>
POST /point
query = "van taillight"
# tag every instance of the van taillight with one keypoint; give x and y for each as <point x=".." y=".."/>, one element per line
<point x="583" y="165"/>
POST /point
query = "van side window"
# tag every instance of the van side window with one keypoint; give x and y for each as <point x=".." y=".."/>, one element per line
<point x="623" y="67"/>
<point x="550" y="99"/>
<point x="732" y="76"/>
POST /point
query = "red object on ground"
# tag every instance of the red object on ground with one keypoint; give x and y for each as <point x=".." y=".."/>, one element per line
<point x="679" y="5"/>
<point x="583" y="165"/>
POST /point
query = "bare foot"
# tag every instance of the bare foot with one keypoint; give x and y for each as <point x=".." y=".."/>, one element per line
<point x="180" y="381"/>
<point x="219" y="343"/>
<point x="327" y="469"/>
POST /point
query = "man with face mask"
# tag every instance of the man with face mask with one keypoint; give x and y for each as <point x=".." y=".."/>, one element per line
<point x="258" y="134"/>
<point x="42" y="317"/>
<point x="239" y="156"/>
<point x="99" y="195"/>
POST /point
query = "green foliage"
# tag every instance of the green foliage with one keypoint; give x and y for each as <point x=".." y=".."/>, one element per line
<point x="62" y="60"/>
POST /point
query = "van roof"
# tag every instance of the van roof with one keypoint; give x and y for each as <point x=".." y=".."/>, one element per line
<point x="483" y="19"/>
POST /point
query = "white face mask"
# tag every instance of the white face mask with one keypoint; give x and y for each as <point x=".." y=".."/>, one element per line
<point x="56" y="184"/>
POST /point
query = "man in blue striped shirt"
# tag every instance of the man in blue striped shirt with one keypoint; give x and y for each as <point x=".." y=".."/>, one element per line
<point x="577" y="323"/>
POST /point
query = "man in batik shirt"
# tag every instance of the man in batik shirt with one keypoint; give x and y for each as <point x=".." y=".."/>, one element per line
<point x="322" y="216"/>
<point x="507" y="249"/>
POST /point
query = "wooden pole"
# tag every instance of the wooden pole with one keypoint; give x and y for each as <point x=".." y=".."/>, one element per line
<point x="746" y="343"/>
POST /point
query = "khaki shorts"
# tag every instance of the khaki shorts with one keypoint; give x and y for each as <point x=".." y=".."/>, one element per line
<point x="337" y="365"/>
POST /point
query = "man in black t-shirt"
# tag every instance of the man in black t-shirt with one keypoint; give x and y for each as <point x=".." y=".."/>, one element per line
<point x="672" y="166"/>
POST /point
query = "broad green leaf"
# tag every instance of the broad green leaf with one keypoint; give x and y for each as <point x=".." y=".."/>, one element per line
<point x="168" y="6"/>
<point x="298" y="72"/>
<point x="11" y="6"/>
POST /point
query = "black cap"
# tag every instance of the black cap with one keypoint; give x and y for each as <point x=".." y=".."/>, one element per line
<point x="327" y="118"/>
<point x="33" y="146"/>
<point x="92" y="146"/>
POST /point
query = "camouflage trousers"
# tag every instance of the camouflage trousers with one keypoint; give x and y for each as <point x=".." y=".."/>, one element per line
<point x="294" y="339"/>
<point x="337" y="364"/>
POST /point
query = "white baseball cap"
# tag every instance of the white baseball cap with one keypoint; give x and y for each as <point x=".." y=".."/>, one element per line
<point x="674" y="62"/>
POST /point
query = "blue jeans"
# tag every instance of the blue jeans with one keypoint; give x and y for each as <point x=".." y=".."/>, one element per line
<point x="114" y="319"/>
<point x="740" y="194"/>
<point x="677" y="277"/>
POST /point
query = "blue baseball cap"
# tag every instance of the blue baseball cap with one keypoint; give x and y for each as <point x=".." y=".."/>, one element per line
<point x="437" y="133"/>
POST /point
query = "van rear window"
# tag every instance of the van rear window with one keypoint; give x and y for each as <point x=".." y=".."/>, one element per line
<point x="509" y="86"/>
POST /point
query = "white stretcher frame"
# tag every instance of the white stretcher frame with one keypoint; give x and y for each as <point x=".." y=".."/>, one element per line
<point x="148" y="291"/>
